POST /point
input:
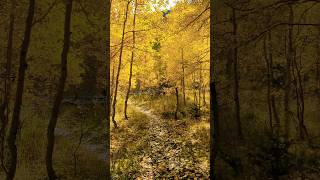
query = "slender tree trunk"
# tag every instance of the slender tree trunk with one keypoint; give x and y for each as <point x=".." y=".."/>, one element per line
<point x="59" y="96"/>
<point x="270" y="54"/>
<point x="5" y="111"/>
<point x="15" y="123"/>
<point x="236" y="75"/>
<point x="194" y="91"/>
<point x="195" y="97"/>
<point x="214" y="107"/>
<point x="299" y="98"/>
<point x="114" y="102"/>
<point x="287" y="88"/>
<point x="112" y="81"/>
<point x="200" y="87"/>
<point x="132" y="60"/>
<point x="177" y="105"/>
<point x="318" y="69"/>
<point x="183" y="79"/>
<point x="204" y="95"/>
<point x="107" y="90"/>
<point x="267" y="52"/>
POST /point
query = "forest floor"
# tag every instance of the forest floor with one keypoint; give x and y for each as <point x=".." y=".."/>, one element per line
<point x="151" y="144"/>
<point x="160" y="148"/>
<point x="71" y="160"/>
<point x="87" y="144"/>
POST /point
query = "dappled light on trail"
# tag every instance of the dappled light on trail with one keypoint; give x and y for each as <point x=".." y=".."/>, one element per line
<point x="160" y="89"/>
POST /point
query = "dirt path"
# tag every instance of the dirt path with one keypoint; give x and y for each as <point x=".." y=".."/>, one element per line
<point x="168" y="157"/>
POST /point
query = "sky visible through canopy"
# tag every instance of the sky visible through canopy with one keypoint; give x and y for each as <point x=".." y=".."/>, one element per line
<point x="170" y="4"/>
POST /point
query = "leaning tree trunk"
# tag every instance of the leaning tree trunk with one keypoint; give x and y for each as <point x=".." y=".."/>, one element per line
<point x="107" y="91"/>
<point x="112" y="80"/>
<point x="236" y="75"/>
<point x="114" y="102"/>
<point x="214" y="107"/>
<point x="132" y="59"/>
<point x="59" y="96"/>
<point x="287" y="88"/>
<point x="5" y="111"/>
<point x="15" y="123"/>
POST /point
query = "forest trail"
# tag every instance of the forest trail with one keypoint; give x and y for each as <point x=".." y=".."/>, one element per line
<point x="167" y="154"/>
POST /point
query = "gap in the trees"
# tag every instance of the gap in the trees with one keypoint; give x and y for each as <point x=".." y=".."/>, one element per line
<point x="160" y="89"/>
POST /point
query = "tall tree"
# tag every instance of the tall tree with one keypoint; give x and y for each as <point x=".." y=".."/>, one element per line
<point x="132" y="59"/>
<point x="59" y="96"/>
<point x="183" y="78"/>
<point x="236" y="74"/>
<point x="107" y="90"/>
<point x="177" y="104"/>
<point x="214" y="107"/>
<point x="200" y="84"/>
<point x="318" y="67"/>
<point x="15" y="123"/>
<point x="114" y="102"/>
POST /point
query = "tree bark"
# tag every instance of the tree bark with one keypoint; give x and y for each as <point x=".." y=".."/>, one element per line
<point x="114" y="102"/>
<point x="132" y="60"/>
<point x="177" y="105"/>
<point x="107" y="90"/>
<point x="183" y="78"/>
<point x="15" y="123"/>
<point x="236" y="75"/>
<point x="112" y="81"/>
<point x="318" y="69"/>
<point x="200" y="86"/>
<point x="204" y="102"/>
<point x="5" y="111"/>
<point x="59" y="96"/>
<point x="214" y="108"/>
<point x="195" y="97"/>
